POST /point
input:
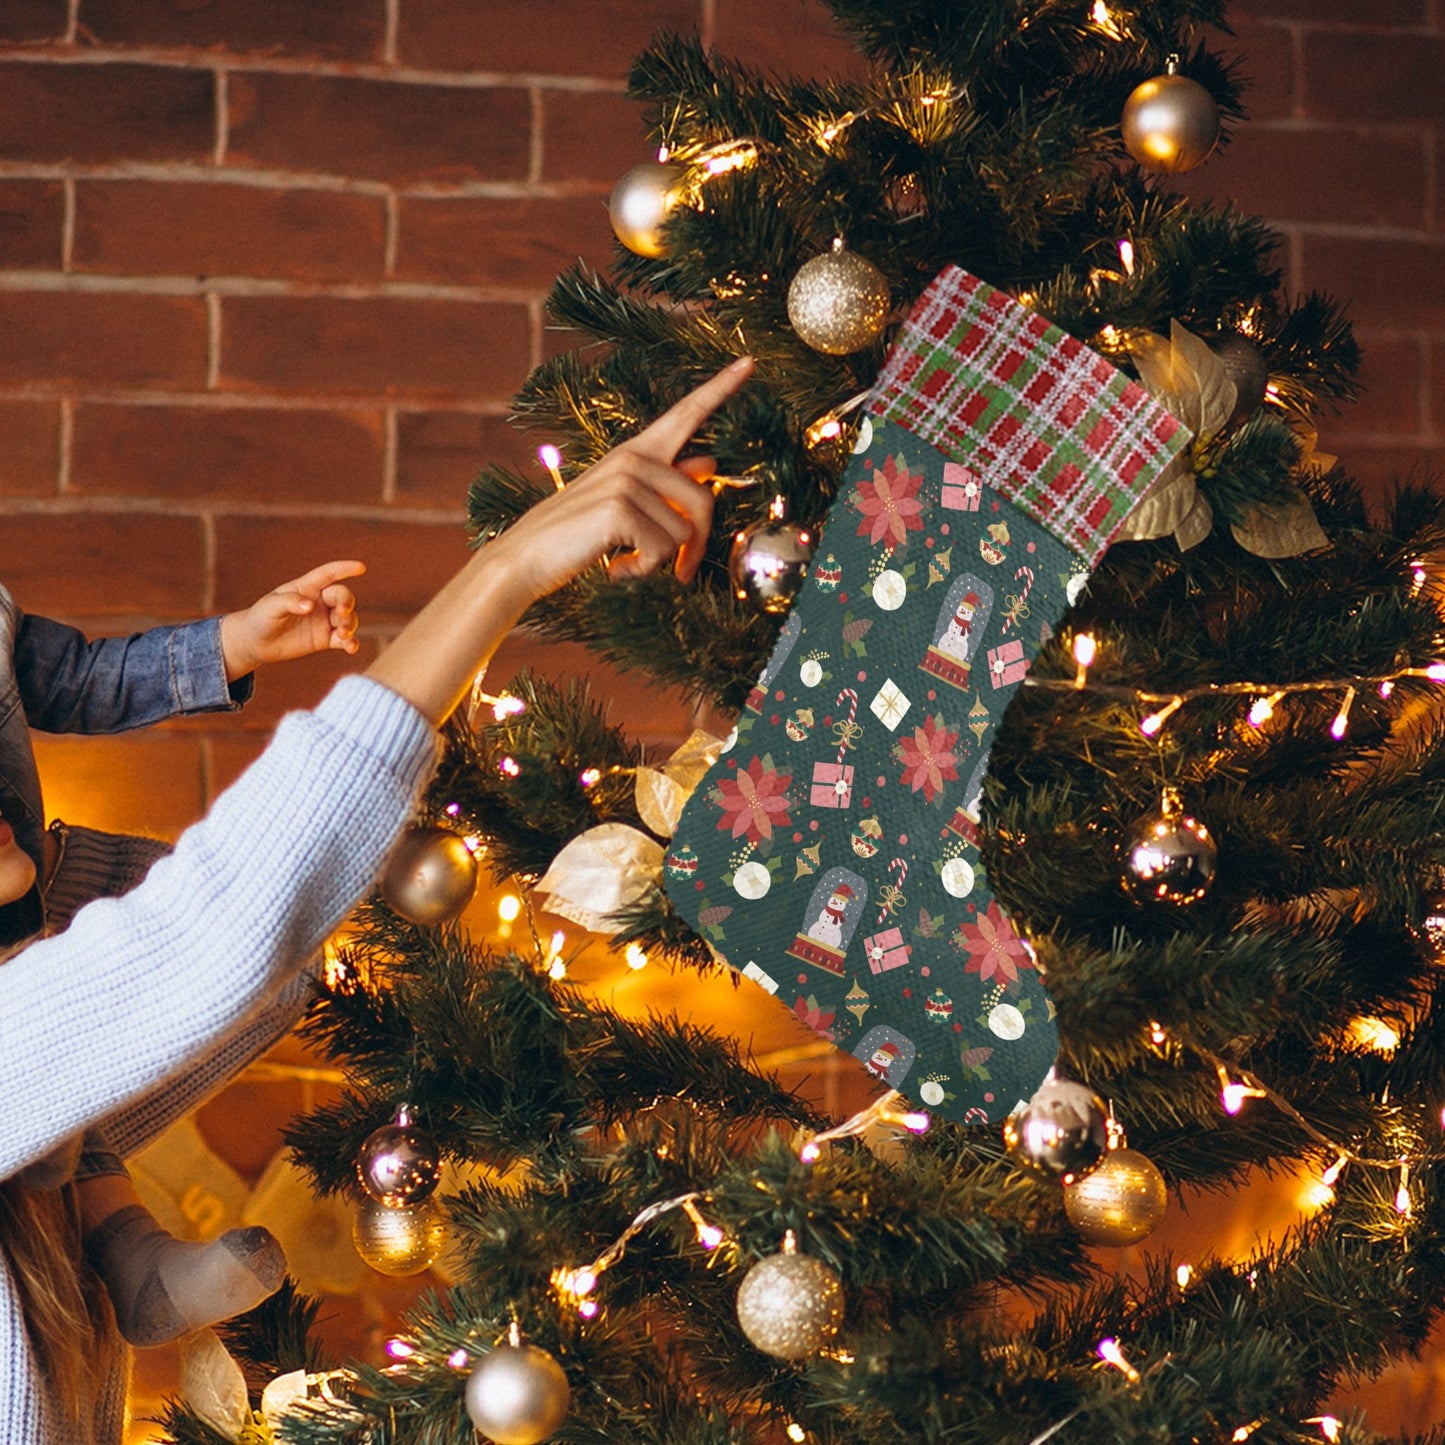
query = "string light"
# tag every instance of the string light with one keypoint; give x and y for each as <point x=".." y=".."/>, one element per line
<point x="1156" y="720"/>
<point x="1183" y="1274"/>
<point x="1376" y="1034"/>
<point x="881" y="1111"/>
<point x="1330" y="1426"/>
<point x="1126" y="256"/>
<point x="796" y="1432"/>
<point x="1266" y="695"/>
<point x="1085" y="650"/>
<point x="590" y="777"/>
<point x="1263" y="709"/>
<point x="575" y="1286"/>
<point x="509" y="908"/>
<point x="708" y="1235"/>
<point x="1342" y="718"/>
<point x="1402" y="1193"/>
<point x="1111" y="1354"/>
<point x="1101" y="18"/>
<point x="635" y="956"/>
<point x="556" y="966"/>
<point x="1245" y="1431"/>
<point x="509" y="767"/>
<point x="551" y="458"/>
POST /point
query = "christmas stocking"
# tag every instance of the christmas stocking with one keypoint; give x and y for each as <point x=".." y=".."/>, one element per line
<point x="830" y="854"/>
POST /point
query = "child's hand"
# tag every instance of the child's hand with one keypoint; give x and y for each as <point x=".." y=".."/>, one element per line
<point x="637" y="508"/>
<point x="312" y="614"/>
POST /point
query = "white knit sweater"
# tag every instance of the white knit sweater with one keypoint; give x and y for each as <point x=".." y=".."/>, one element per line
<point x="135" y="996"/>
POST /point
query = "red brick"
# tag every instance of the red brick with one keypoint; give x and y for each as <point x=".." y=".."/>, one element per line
<point x="520" y="242"/>
<point x="1288" y="174"/>
<point x="386" y="345"/>
<point x="1326" y="12"/>
<point x="93" y="113"/>
<point x="405" y="562"/>
<point x="241" y="453"/>
<point x="131" y="569"/>
<point x="439" y="453"/>
<point x="791" y="37"/>
<point x="90" y="337"/>
<point x="596" y="38"/>
<point x="1388" y="78"/>
<point x="591" y="136"/>
<point x="1397" y="283"/>
<point x="142" y="228"/>
<point x="1390" y="402"/>
<point x="23" y="20"/>
<point x="319" y="29"/>
<point x="378" y="129"/>
<point x="1266" y="66"/>
<point x="147" y="782"/>
<point x="1379" y="467"/>
<point x="31" y="216"/>
<point x="30" y="456"/>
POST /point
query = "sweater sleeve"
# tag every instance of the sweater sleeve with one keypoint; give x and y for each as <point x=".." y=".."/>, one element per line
<point x="139" y="988"/>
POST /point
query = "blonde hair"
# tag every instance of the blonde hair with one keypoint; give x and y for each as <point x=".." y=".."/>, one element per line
<point x="67" y="1311"/>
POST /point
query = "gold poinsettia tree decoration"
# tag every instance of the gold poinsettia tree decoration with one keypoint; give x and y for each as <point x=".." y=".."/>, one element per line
<point x="1188" y="379"/>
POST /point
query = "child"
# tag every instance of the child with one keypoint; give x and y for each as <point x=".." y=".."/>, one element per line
<point x="160" y="1287"/>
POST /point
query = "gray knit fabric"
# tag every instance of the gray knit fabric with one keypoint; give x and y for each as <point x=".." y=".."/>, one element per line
<point x="147" y="1002"/>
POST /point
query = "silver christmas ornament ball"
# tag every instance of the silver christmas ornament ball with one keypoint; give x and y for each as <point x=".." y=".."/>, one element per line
<point x="399" y="1239"/>
<point x="790" y="1304"/>
<point x="1245" y="366"/>
<point x="430" y="875"/>
<point x="399" y="1164"/>
<point x="768" y="563"/>
<point x="1118" y="1203"/>
<point x="1061" y="1133"/>
<point x="640" y="202"/>
<point x="838" y="302"/>
<point x="517" y="1395"/>
<point x="1170" y="123"/>
<point x="1168" y="857"/>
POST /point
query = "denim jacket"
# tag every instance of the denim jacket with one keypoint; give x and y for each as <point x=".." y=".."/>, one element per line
<point x="55" y="679"/>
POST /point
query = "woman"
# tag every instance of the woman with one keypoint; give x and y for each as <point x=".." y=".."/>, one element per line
<point x="135" y="995"/>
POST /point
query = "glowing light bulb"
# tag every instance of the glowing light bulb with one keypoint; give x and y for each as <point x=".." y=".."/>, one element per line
<point x="796" y="1432"/>
<point x="915" y="1123"/>
<point x="590" y="777"/>
<point x="551" y="458"/>
<point x="507" y="706"/>
<point x="1436" y="672"/>
<point x="459" y="1359"/>
<point x="635" y="956"/>
<point x="1376" y="1034"/>
<point x="1111" y="1354"/>
<point x="1334" y="1171"/>
<point x="1342" y="718"/>
<point x="589" y="1309"/>
<point x="1263" y="709"/>
<point x="1183" y="1275"/>
<point x="509" y="908"/>
<point x="399" y="1349"/>
<point x="1156" y="720"/>
<point x="810" y="1153"/>
<point x="1386" y="688"/>
<point x="1402" y="1194"/>
<point x="509" y="767"/>
<point x="1156" y="1032"/>
<point x="1126" y="256"/>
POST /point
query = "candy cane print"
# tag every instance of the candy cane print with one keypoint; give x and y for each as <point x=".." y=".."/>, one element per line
<point x="845" y="732"/>
<point x="891" y="894"/>
<point x="1017" y="608"/>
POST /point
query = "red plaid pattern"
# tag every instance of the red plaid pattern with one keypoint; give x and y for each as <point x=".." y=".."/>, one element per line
<point x="1039" y="416"/>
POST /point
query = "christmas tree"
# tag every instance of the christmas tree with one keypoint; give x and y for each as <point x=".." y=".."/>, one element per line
<point x="1209" y="818"/>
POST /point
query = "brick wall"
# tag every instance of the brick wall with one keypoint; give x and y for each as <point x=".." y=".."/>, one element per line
<point x="270" y="271"/>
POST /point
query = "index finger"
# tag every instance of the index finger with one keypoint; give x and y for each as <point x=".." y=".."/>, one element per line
<point x="319" y="578"/>
<point x="671" y="431"/>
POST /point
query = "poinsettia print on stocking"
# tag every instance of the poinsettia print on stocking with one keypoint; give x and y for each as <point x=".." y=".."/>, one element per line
<point x="837" y="837"/>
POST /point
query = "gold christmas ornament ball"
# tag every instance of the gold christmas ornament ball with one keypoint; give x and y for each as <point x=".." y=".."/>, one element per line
<point x="1170" y="123"/>
<point x="399" y="1239"/>
<point x="1169" y="856"/>
<point x="517" y="1395"/>
<point x="1118" y="1203"/>
<point x="768" y="564"/>
<point x="430" y="875"/>
<point x="640" y="202"/>
<point x="1061" y="1133"/>
<point x="790" y="1304"/>
<point x="399" y="1163"/>
<point x="838" y="302"/>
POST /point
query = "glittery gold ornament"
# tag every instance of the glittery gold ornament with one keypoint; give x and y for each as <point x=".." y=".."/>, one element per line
<point x="429" y="876"/>
<point x="1061" y="1133"/>
<point x="790" y="1304"/>
<point x="641" y="201"/>
<point x="838" y="301"/>
<point x="1169" y="856"/>
<point x="517" y="1395"/>
<point x="401" y="1239"/>
<point x="399" y="1163"/>
<point x="769" y="562"/>
<point x="1170" y="123"/>
<point x="1119" y="1202"/>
